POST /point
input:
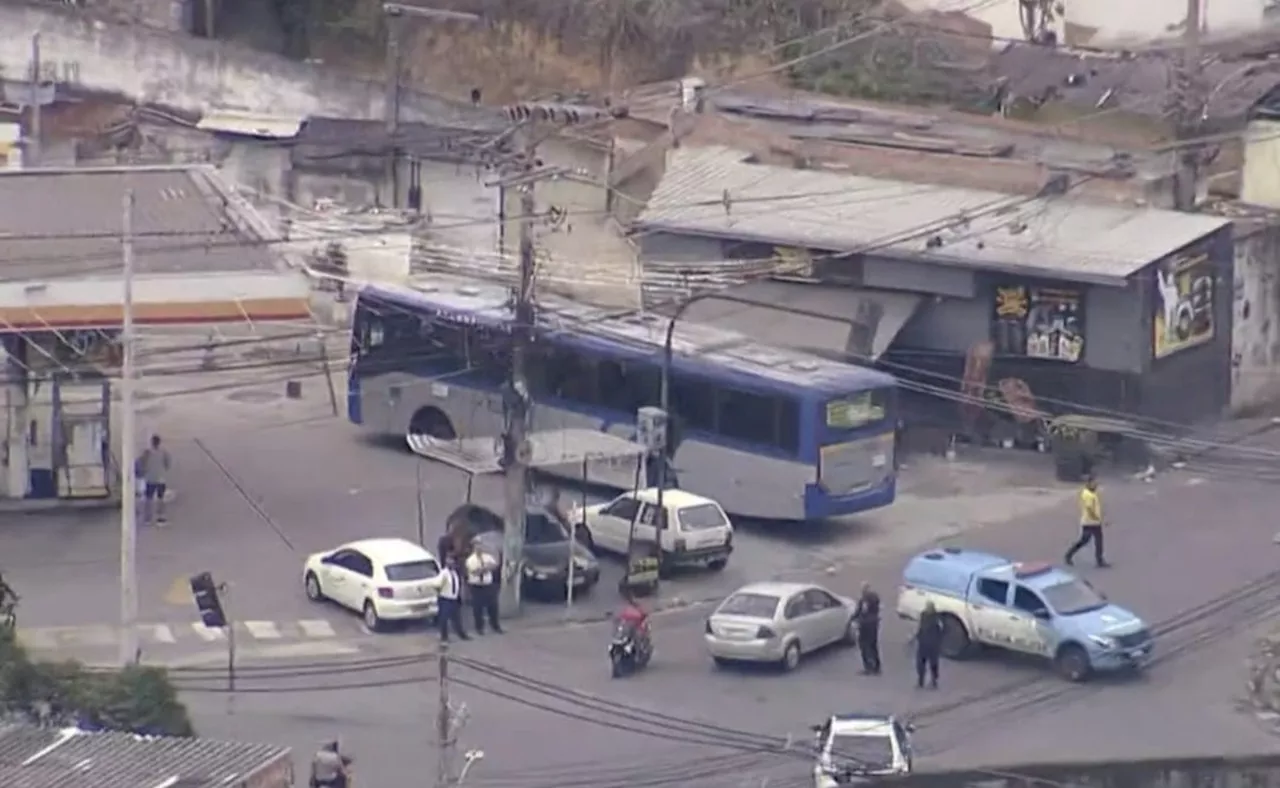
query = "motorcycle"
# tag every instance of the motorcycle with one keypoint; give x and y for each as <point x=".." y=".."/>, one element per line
<point x="629" y="651"/>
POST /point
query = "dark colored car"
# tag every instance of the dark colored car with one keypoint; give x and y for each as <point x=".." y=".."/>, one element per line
<point x="547" y="549"/>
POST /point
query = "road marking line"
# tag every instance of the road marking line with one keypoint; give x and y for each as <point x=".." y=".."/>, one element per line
<point x="207" y="633"/>
<point x="161" y="633"/>
<point x="317" y="628"/>
<point x="263" y="630"/>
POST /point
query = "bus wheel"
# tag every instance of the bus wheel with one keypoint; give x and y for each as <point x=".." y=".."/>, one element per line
<point x="433" y="423"/>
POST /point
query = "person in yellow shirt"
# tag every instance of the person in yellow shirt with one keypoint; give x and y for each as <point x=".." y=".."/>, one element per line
<point x="1090" y="524"/>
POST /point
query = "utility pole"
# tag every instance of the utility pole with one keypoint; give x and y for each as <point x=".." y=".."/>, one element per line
<point x="516" y="451"/>
<point x="1190" y="111"/>
<point x="394" y="13"/>
<point x="128" y="475"/>
<point x="444" y="723"/>
<point x="34" y="133"/>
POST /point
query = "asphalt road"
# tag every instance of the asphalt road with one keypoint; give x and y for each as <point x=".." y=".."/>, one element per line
<point x="254" y="497"/>
<point x="1178" y="543"/>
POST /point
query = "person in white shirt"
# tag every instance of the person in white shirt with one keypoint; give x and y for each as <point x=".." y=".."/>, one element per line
<point x="449" y="610"/>
<point x="482" y="571"/>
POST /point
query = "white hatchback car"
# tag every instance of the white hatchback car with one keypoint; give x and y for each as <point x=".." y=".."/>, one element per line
<point x="382" y="579"/>
<point x="691" y="529"/>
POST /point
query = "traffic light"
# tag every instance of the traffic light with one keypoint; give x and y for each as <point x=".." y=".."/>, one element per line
<point x="205" y="592"/>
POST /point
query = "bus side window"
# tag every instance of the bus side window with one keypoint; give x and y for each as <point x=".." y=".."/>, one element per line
<point x="571" y="377"/>
<point x="693" y="401"/>
<point x="788" y="424"/>
<point x="627" y="386"/>
<point x="748" y="417"/>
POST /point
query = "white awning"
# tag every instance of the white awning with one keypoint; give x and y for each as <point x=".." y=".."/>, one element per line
<point x="854" y="322"/>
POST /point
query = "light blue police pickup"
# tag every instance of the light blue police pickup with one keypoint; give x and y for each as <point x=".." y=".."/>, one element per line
<point x="1032" y="608"/>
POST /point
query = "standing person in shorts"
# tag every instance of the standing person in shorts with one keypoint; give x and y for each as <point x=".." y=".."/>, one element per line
<point x="154" y="464"/>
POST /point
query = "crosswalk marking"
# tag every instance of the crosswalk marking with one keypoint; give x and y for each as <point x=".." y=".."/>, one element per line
<point x="262" y="630"/>
<point x="317" y="628"/>
<point x="189" y="633"/>
<point x="207" y="633"/>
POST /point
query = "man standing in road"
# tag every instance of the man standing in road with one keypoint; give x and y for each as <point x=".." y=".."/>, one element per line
<point x="153" y="467"/>
<point x="481" y="572"/>
<point x="868" y="617"/>
<point x="928" y="645"/>
<point x="449" y="601"/>
<point x="1090" y="524"/>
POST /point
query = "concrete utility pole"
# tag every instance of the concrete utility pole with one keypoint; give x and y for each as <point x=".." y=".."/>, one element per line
<point x="516" y="451"/>
<point x="1190" y="111"/>
<point x="394" y="14"/>
<point x="128" y="475"/>
<point x="444" y="723"/>
<point x="34" y="134"/>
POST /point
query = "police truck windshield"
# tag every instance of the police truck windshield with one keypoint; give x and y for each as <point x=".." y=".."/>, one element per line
<point x="1072" y="597"/>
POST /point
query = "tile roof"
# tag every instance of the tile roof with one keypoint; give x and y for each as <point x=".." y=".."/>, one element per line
<point x="60" y="223"/>
<point x="1049" y="236"/>
<point x="32" y="757"/>
<point x="370" y="137"/>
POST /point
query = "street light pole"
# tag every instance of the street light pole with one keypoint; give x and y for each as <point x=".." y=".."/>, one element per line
<point x="128" y="473"/>
<point x="394" y="13"/>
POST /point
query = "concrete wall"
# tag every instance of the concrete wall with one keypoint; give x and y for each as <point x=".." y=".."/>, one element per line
<point x="1255" y="339"/>
<point x="189" y="73"/>
<point x="1261" y="771"/>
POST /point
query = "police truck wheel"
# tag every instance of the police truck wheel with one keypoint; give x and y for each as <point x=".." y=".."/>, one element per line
<point x="1072" y="663"/>
<point x="955" y="638"/>
<point x="371" y="619"/>
<point x="312" y="585"/>
<point x="791" y="657"/>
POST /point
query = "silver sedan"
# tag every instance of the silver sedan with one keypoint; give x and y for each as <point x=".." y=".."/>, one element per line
<point x="778" y="622"/>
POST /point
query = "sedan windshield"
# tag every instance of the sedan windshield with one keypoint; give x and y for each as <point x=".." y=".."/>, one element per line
<point x="750" y="605"/>
<point x="701" y="517"/>
<point x="870" y="753"/>
<point x="1073" y="596"/>
<point x="412" y="570"/>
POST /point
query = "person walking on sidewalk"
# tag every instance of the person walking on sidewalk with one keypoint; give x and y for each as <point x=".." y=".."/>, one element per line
<point x="1091" y="523"/>
<point x="153" y="467"/>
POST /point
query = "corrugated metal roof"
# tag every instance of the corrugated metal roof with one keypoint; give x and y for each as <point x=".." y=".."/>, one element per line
<point x="251" y="124"/>
<point x="1054" y="237"/>
<point x="33" y="757"/>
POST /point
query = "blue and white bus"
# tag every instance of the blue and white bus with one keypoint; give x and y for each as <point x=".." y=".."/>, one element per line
<point x="768" y="432"/>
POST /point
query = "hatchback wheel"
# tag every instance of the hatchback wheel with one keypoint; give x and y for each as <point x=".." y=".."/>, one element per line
<point x="791" y="657"/>
<point x="312" y="585"/>
<point x="371" y="619"/>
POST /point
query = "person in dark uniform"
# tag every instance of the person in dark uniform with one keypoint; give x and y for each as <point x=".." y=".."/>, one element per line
<point x="928" y="645"/>
<point x="868" y="617"/>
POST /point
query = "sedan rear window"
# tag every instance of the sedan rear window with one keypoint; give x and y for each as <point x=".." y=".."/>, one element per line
<point x="412" y="570"/>
<point x="750" y="605"/>
<point x="701" y="517"/>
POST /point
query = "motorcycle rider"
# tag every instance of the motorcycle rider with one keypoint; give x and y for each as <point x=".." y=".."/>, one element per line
<point x="329" y="768"/>
<point x="634" y="618"/>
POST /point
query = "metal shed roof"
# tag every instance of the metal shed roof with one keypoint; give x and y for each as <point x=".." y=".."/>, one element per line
<point x="717" y="192"/>
<point x="32" y="757"/>
<point x="251" y="124"/>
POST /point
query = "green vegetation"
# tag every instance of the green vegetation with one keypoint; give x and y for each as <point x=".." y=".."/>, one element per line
<point x="137" y="699"/>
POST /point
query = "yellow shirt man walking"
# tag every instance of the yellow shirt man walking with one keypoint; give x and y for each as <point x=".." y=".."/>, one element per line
<point x="1090" y="524"/>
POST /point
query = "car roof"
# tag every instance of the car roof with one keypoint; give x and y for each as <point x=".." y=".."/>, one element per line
<point x="778" y="589"/>
<point x="858" y="725"/>
<point x="676" y="498"/>
<point x="390" y="550"/>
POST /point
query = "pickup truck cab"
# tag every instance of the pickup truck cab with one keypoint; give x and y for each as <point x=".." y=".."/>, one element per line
<point x="1031" y="608"/>
<point x="691" y="529"/>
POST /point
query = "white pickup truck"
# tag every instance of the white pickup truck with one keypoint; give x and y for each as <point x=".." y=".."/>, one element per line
<point x="1032" y="608"/>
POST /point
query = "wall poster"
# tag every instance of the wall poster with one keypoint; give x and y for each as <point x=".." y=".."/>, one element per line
<point x="1183" y="304"/>
<point x="1035" y="321"/>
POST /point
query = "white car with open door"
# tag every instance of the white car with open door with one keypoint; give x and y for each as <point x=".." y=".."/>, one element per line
<point x="692" y="530"/>
<point x="382" y="579"/>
